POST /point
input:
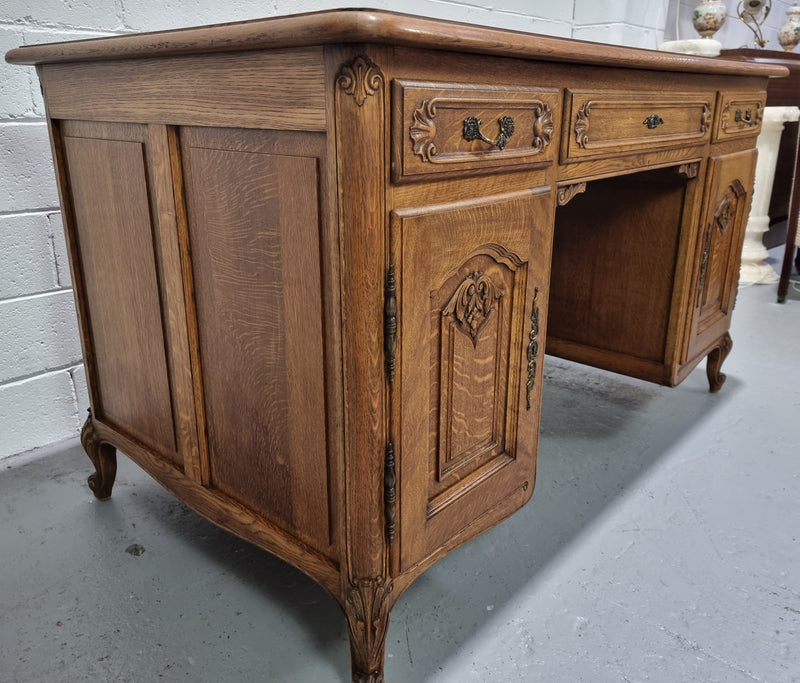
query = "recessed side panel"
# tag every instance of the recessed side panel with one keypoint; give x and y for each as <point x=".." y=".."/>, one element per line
<point x="109" y="194"/>
<point x="254" y="226"/>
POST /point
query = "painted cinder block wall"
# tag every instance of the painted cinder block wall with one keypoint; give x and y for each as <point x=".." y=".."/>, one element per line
<point x="43" y="395"/>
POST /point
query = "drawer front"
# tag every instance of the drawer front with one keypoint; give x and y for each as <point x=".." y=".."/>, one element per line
<point x="440" y="127"/>
<point x="739" y="115"/>
<point x="609" y="123"/>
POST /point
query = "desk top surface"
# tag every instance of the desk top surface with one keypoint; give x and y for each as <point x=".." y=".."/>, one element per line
<point x="377" y="27"/>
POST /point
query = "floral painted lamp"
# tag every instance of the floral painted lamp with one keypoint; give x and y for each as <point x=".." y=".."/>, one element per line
<point x="789" y="32"/>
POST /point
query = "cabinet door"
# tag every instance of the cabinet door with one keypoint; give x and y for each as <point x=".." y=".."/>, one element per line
<point x="472" y="281"/>
<point x="719" y="249"/>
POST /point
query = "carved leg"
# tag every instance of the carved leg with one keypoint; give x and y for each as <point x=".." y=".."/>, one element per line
<point x="104" y="457"/>
<point x="714" y="364"/>
<point x="367" y="611"/>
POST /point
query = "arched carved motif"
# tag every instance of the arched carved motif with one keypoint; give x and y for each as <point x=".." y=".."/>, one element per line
<point x="360" y="77"/>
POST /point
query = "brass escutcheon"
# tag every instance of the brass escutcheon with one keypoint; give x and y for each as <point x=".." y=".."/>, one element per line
<point x="653" y="121"/>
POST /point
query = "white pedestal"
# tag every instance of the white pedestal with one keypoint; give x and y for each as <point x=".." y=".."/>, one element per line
<point x="703" y="47"/>
<point x="754" y="270"/>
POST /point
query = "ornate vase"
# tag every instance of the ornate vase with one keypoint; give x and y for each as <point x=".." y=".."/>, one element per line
<point x="789" y="32"/>
<point x="708" y="17"/>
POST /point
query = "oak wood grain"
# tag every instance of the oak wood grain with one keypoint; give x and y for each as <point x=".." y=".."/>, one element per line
<point x="254" y="228"/>
<point x="250" y="187"/>
<point x="282" y="90"/>
<point x="379" y="27"/>
<point x="114" y="230"/>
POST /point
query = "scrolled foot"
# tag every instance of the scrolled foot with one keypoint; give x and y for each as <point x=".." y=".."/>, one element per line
<point x="716" y="378"/>
<point x="367" y="608"/>
<point x="104" y="458"/>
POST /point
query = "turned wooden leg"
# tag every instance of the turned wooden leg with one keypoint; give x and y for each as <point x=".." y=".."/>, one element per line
<point x="716" y="378"/>
<point x="104" y="457"/>
<point x="367" y="608"/>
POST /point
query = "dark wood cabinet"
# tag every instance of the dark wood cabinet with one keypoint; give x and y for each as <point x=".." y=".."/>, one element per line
<point x="318" y="260"/>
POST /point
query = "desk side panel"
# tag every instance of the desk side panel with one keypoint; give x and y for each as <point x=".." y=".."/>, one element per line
<point x="108" y="188"/>
<point x="252" y="200"/>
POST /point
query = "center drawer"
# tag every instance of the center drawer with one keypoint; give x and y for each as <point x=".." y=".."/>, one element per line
<point x="608" y="123"/>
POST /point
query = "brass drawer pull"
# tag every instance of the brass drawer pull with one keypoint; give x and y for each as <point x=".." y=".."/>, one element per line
<point x="653" y="121"/>
<point x="747" y="118"/>
<point x="472" y="131"/>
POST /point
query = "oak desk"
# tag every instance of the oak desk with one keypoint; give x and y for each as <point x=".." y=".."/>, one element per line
<point x="317" y="260"/>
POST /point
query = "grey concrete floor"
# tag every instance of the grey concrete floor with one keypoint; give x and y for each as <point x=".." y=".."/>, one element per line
<point x="661" y="545"/>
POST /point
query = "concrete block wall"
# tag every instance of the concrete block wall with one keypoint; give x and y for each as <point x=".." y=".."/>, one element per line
<point x="42" y="384"/>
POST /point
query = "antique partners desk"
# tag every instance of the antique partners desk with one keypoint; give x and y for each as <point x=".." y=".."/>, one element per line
<point x="317" y="260"/>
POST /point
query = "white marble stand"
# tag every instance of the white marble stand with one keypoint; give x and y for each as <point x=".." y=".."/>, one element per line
<point x="754" y="270"/>
<point x="704" y="47"/>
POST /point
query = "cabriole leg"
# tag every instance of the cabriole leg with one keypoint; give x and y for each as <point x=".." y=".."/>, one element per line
<point x="716" y="378"/>
<point x="367" y="611"/>
<point x="104" y="458"/>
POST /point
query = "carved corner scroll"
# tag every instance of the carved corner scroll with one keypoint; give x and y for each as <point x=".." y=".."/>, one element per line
<point x="705" y="119"/>
<point x="566" y="193"/>
<point x="472" y="305"/>
<point x="582" y="125"/>
<point x="423" y="130"/>
<point x="543" y="127"/>
<point x="689" y="171"/>
<point x="533" y="348"/>
<point x="360" y="77"/>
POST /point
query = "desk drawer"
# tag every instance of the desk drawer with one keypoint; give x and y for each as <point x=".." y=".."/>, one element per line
<point x="440" y="127"/>
<point x="604" y="123"/>
<point x="740" y="114"/>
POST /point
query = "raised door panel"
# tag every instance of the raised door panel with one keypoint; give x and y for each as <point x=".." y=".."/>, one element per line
<point x="108" y="175"/>
<point x="718" y="254"/>
<point x="252" y="201"/>
<point x="472" y="280"/>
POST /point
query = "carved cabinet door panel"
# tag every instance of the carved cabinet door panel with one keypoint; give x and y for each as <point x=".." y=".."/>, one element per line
<point x="472" y="280"/>
<point x="719" y="248"/>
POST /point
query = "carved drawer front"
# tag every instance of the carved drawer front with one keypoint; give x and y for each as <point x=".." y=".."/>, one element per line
<point x="739" y="115"/>
<point x="608" y="123"/>
<point x="440" y="127"/>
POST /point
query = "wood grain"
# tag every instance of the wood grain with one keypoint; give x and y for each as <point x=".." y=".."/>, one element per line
<point x="282" y="90"/>
<point x="110" y="195"/>
<point x="255" y="241"/>
<point x="378" y="27"/>
<point x="234" y="197"/>
<point x="467" y="439"/>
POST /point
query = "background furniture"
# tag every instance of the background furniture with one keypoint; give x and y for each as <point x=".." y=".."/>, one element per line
<point x="317" y="260"/>
<point x="783" y="92"/>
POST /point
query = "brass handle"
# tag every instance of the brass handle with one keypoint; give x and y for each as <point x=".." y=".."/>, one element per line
<point x="533" y="348"/>
<point x="653" y="121"/>
<point x="472" y="131"/>
<point x="747" y="118"/>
